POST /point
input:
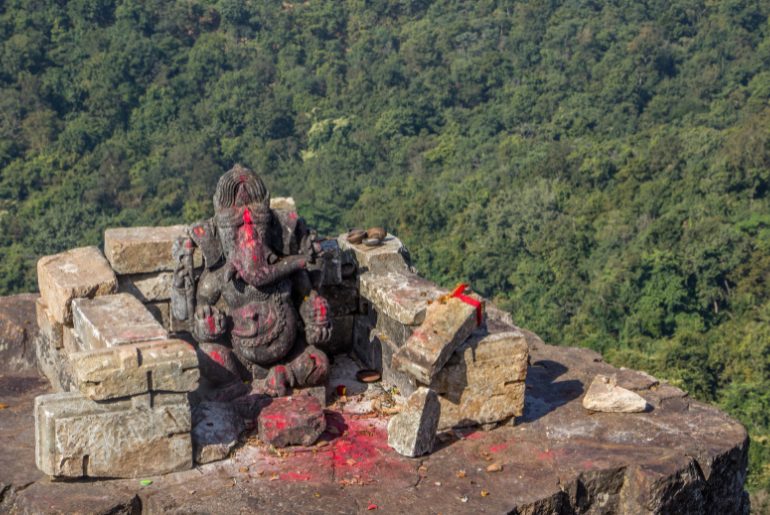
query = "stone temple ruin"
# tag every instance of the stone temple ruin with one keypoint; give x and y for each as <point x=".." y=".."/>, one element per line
<point x="245" y="362"/>
<point x="136" y="396"/>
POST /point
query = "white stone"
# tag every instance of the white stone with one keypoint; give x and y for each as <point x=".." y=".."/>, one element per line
<point x="606" y="396"/>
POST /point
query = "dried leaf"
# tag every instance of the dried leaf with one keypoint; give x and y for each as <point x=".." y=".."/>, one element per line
<point x="460" y="474"/>
<point x="3" y="405"/>
<point x="484" y="493"/>
<point x="494" y="467"/>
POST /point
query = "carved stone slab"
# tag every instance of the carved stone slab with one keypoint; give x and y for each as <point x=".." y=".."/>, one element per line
<point x="136" y="250"/>
<point x="140" y="436"/>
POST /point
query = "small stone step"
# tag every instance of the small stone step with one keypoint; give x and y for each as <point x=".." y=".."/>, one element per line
<point x="412" y="432"/>
<point x="113" y="320"/>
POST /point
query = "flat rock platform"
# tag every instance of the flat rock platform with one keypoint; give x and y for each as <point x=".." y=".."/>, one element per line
<point x="681" y="456"/>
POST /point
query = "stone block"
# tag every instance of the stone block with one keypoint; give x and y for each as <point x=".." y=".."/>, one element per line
<point x="404" y="383"/>
<point x="391" y="256"/>
<point x="216" y="428"/>
<point x="295" y="420"/>
<point x="395" y="330"/>
<point x="48" y="325"/>
<point x="140" y="250"/>
<point x="403" y="297"/>
<point x="132" y="437"/>
<point x="54" y="364"/>
<point x="342" y="335"/>
<point x="70" y="340"/>
<point x="113" y="320"/>
<point x="448" y="323"/>
<point x="484" y="364"/>
<point x="343" y="298"/>
<point x="478" y="408"/>
<point x="412" y="432"/>
<point x="76" y="273"/>
<point x="133" y="369"/>
<point x="283" y="203"/>
<point x="365" y="348"/>
<point x="164" y="314"/>
<point x="152" y="287"/>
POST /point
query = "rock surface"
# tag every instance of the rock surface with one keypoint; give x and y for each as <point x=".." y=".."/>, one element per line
<point x="18" y="331"/>
<point x="77" y="437"/>
<point x="413" y="431"/>
<point x="681" y="457"/>
<point x="134" y="369"/>
<point x="76" y="273"/>
<point x="296" y="420"/>
<point x="216" y="427"/>
<point x="606" y="396"/>
<point x="113" y="320"/>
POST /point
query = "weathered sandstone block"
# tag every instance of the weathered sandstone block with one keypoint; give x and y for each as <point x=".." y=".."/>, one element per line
<point x="413" y="431"/>
<point x="77" y="437"/>
<point x="405" y="383"/>
<point x="447" y="325"/>
<point x="485" y="363"/>
<point x="403" y="297"/>
<point x="151" y="287"/>
<point x="391" y="256"/>
<point x="139" y="250"/>
<point x="54" y="364"/>
<point x="133" y="369"/>
<point x="70" y="340"/>
<point x="114" y="320"/>
<point x="48" y="325"/>
<point x="81" y="272"/>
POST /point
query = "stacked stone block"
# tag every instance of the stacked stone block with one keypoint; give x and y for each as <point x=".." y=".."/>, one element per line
<point x="418" y="336"/>
<point x="122" y="407"/>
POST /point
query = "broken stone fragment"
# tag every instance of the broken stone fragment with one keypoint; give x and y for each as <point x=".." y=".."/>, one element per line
<point x="403" y="296"/>
<point x="448" y="323"/>
<point x="404" y="383"/>
<point x="216" y="427"/>
<point x="130" y="437"/>
<point x="151" y="287"/>
<point x="81" y="272"/>
<point x="606" y="396"/>
<point x="413" y="431"/>
<point x="133" y="369"/>
<point x="390" y="256"/>
<point x="113" y="320"/>
<point x="139" y="250"/>
<point x="295" y="420"/>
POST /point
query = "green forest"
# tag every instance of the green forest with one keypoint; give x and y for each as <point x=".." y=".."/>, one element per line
<point x="601" y="169"/>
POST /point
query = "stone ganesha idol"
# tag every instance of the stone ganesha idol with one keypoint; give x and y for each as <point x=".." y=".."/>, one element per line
<point x="254" y="309"/>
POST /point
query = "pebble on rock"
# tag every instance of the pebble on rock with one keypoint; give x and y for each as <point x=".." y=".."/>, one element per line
<point x="606" y="396"/>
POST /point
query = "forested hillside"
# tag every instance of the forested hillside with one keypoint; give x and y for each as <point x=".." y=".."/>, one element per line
<point x="600" y="168"/>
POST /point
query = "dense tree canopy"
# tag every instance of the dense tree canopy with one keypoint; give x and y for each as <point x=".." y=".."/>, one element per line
<point x="600" y="169"/>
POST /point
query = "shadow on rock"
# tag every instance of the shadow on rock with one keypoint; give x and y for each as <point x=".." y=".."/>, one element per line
<point x="544" y="394"/>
